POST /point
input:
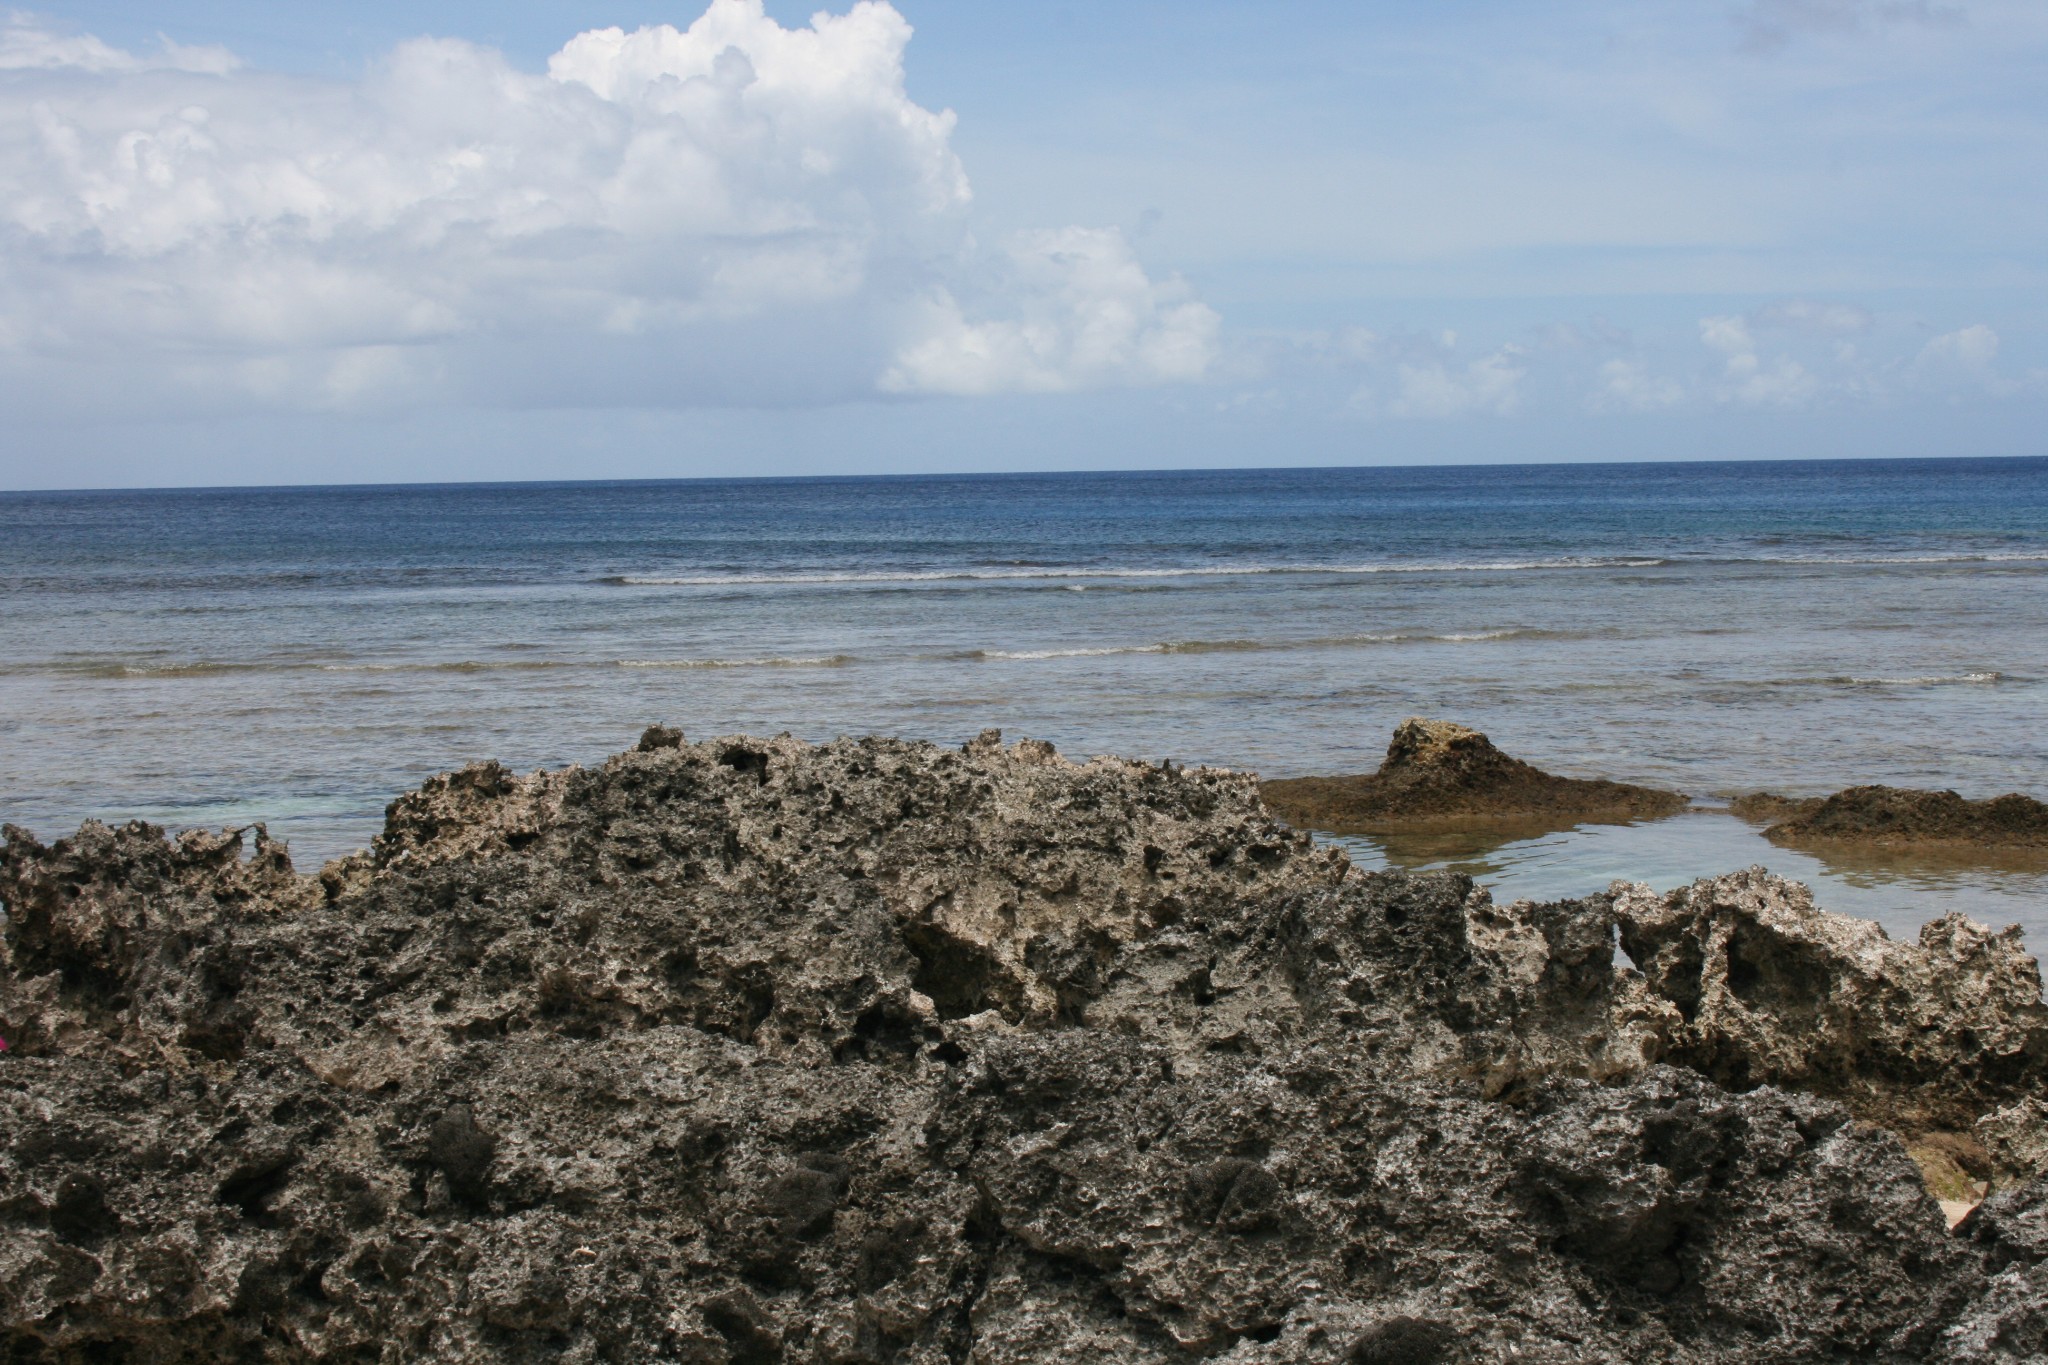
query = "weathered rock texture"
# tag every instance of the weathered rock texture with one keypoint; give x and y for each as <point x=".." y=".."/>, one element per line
<point x="1440" y="775"/>
<point x="1899" y="817"/>
<point x="749" y="1051"/>
<point x="1769" y="808"/>
<point x="1772" y="991"/>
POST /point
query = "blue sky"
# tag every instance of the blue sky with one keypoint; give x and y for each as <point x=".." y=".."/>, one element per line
<point x="280" y="243"/>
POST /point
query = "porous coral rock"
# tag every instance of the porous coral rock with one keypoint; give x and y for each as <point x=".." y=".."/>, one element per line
<point x="747" y="1050"/>
<point x="1773" y="990"/>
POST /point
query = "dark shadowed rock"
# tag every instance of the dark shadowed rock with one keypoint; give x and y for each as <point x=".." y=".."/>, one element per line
<point x="1899" y="817"/>
<point x="1437" y="775"/>
<point x="752" y="1051"/>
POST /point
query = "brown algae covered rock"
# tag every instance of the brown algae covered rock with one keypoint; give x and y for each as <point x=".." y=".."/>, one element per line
<point x="1769" y="808"/>
<point x="1439" y="774"/>
<point x="749" y="1050"/>
<point x="1899" y="817"/>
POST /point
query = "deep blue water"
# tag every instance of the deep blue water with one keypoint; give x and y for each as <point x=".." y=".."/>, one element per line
<point x="298" y="656"/>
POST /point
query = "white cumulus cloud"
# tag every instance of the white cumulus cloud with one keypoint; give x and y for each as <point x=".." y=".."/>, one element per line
<point x="1967" y="348"/>
<point x="1728" y="335"/>
<point x="1490" y="384"/>
<point x="1628" y="386"/>
<point x="1090" y="316"/>
<point x="1746" y="378"/>
<point x="1965" y="362"/>
<point x="734" y="212"/>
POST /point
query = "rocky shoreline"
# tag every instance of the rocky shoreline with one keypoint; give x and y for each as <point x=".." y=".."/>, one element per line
<point x="750" y="1050"/>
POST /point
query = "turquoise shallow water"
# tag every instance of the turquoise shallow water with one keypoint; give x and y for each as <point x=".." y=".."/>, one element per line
<point x="299" y="656"/>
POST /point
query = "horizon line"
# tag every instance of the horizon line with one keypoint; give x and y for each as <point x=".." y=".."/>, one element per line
<point x="1003" y="474"/>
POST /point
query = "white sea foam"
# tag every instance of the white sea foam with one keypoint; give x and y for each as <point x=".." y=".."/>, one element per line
<point x="1974" y="557"/>
<point x="1060" y="575"/>
<point x="1976" y="678"/>
<point x="1263" y="646"/>
<point x="1067" y="653"/>
<point x="1922" y="680"/>
<point x="834" y="577"/>
<point x="209" y="669"/>
<point x="818" y="661"/>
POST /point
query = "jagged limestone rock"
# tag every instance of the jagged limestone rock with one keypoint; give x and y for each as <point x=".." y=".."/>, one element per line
<point x="748" y="1050"/>
<point x="1773" y="990"/>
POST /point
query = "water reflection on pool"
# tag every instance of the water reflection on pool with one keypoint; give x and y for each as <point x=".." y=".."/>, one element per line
<point x="1899" y="891"/>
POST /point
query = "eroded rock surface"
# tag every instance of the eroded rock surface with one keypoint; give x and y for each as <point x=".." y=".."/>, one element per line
<point x="751" y="1051"/>
<point x="1901" y="818"/>
<point x="1438" y="775"/>
<point x="1774" y="991"/>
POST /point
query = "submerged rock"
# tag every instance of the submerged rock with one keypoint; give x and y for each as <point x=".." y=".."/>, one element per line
<point x="1440" y="775"/>
<point x="1900" y="817"/>
<point x="748" y="1051"/>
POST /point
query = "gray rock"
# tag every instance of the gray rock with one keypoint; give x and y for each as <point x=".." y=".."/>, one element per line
<point x="1771" y="990"/>
<point x="752" y="1051"/>
<point x="2015" y="1137"/>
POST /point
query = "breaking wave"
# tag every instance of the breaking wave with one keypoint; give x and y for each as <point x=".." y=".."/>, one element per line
<point x="818" y="661"/>
<point x="832" y="577"/>
<point x="209" y="669"/>
<point x="1067" y="575"/>
<point x="1268" y="646"/>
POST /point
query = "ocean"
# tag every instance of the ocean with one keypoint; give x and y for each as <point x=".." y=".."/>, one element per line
<point x="299" y="656"/>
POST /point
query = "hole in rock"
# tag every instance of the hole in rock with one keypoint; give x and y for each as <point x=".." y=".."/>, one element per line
<point x="883" y="1035"/>
<point x="1404" y="1341"/>
<point x="254" y="1189"/>
<point x="961" y="978"/>
<point x="80" y="1215"/>
<point x="748" y="1332"/>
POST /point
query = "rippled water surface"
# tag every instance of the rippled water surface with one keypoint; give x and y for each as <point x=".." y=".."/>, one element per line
<point x="297" y="657"/>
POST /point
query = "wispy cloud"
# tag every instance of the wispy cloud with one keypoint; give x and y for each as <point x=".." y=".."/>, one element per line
<point x="1814" y="316"/>
<point x="1767" y="25"/>
<point x="27" y="45"/>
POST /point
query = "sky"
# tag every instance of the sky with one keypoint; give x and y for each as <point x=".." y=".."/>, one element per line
<point x="278" y="243"/>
